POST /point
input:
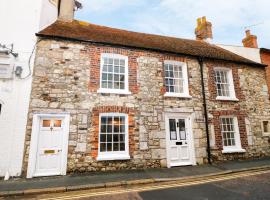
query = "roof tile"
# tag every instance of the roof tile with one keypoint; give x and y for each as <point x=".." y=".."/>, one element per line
<point x="84" y="31"/>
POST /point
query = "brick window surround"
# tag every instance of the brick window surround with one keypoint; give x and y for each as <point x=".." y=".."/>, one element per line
<point x="95" y="60"/>
<point x="95" y="126"/>
<point x="241" y="123"/>
<point x="212" y="84"/>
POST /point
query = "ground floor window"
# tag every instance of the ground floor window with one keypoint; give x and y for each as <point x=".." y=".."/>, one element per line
<point x="266" y="128"/>
<point x="230" y="134"/>
<point x="113" y="136"/>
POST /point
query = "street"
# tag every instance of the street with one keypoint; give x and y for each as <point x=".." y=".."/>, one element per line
<point x="248" y="185"/>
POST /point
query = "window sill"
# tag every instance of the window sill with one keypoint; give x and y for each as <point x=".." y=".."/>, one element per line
<point x="266" y="134"/>
<point x="233" y="151"/>
<point x="104" y="91"/>
<point x="167" y="94"/>
<point x="227" y="98"/>
<point x="113" y="157"/>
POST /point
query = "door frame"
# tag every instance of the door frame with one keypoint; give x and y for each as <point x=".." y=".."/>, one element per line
<point x="192" y="147"/>
<point x="34" y="142"/>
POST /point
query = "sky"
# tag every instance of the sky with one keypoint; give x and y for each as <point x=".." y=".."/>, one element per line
<point x="177" y="18"/>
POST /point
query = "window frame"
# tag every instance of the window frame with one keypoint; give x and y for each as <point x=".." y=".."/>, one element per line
<point x="237" y="148"/>
<point x="232" y="95"/>
<point x="114" y="91"/>
<point x="262" y="125"/>
<point x="114" y="155"/>
<point x="185" y="93"/>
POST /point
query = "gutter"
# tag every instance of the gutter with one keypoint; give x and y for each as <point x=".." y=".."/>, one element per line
<point x="264" y="50"/>
<point x="143" y="48"/>
<point x="200" y="60"/>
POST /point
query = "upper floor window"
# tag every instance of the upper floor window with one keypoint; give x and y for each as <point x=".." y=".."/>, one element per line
<point x="114" y="74"/>
<point x="230" y="135"/>
<point x="176" y="79"/>
<point x="224" y="84"/>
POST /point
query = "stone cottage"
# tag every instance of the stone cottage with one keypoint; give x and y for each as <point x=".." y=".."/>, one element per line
<point x="109" y="99"/>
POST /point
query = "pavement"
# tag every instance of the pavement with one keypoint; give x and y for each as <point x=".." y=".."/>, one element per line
<point x="96" y="180"/>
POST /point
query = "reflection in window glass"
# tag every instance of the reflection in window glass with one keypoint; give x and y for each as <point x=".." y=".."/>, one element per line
<point x="182" y="129"/>
<point x="174" y="80"/>
<point x="57" y="123"/>
<point x="112" y="134"/>
<point x="228" y="131"/>
<point x="173" y="134"/>
<point x="46" y="123"/>
<point x="222" y="83"/>
<point x="113" y="73"/>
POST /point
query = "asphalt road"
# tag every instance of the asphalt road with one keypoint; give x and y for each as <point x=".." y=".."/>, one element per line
<point x="249" y="187"/>
<point x="252" y="187"/>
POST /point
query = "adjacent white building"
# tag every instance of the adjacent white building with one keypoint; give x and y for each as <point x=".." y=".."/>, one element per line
<point x="19" y="21"/>
<point x="246" y="52"/>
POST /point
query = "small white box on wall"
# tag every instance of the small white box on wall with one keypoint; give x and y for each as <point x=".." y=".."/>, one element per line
<point x="6" y="67"/>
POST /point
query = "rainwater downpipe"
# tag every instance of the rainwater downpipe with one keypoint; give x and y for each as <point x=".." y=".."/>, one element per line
<point x="59" y="6"/>
<point x="200" y="60"/>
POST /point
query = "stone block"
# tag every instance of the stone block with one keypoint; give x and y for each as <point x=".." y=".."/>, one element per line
<point x="81" y="147"/>
<point x="68" y="55"/>
<point x="67" y="105"/>
<point x="162" y="143"/>
<point x="163" y="163"/>
<point x="158" y="153"/>
<point x="142" y="129"/>
<point x="158" y="134"/>
<point x="39" y="103"/>
<point x="143" y="146"/>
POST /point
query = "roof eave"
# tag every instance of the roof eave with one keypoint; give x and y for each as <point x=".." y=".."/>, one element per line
<point x="265" y="50"/>
<point x="145" y="48"/>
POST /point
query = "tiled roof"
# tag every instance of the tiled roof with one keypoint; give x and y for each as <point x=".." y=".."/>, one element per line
<point x="82" y="31"/>
<point x="265" y="50"/>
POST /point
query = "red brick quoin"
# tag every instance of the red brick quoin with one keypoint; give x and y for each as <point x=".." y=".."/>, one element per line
<point x="95" y="124"/>
<point x="241" y="123"/>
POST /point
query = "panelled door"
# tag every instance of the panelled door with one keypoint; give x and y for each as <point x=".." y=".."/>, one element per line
<point x="179" y="141"/>
<point x="49" y="147"/>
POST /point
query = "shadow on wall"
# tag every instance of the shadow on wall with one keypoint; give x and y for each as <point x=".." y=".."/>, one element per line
<point x="1" y="105"/>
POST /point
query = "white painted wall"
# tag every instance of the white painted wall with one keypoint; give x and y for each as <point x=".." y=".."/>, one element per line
<point x="249" y="53"/>
<point x="19" y="21"/>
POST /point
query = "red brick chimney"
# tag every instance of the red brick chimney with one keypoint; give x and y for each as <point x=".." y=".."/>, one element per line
<point x="250" y="40"/>
<point x="203" y="30"/>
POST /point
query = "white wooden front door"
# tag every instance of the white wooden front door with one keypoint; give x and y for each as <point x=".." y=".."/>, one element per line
<point x="50" y="155"/>
<point x="180" y="150"/>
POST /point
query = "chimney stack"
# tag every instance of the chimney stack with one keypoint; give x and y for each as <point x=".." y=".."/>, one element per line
<point x="250" y="40"/>
<point x="203" y="30"/>
<point x="66" y="11"/>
